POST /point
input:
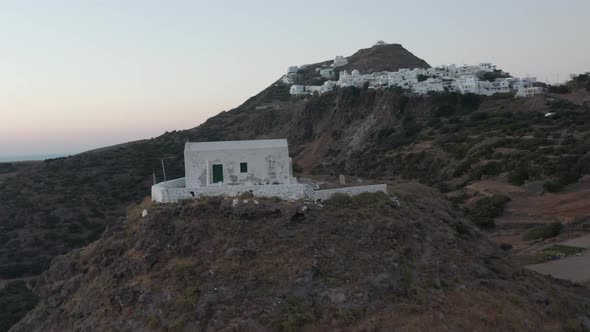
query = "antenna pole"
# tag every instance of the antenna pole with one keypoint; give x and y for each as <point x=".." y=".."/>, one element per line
<point x="164" y="171"/>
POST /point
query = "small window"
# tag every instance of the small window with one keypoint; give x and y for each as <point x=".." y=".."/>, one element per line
<point x="243" y="167"/>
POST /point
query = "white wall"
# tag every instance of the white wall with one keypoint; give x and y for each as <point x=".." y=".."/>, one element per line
<point x="164" y="194"/>
<point x="268" y="165"/>
<point x="350" y="191"/>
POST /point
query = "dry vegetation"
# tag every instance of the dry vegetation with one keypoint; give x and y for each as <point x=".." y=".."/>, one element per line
<point x="355" y="263"/>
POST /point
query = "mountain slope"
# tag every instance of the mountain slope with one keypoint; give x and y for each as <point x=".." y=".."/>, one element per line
<point x="446" y="140"/>
<point x="64" y="203"/>
<point x="389" y="57"/>
<point x="371" y="262"/>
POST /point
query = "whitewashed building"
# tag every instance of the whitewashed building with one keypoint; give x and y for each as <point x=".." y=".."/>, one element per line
<point x="429" y="85"/>
<point x="339" y="61"/>
<point x="297" y="89"/>
<point x="327" y="73"/>
<point x="231" y="168"/>
<point x="288" y="79"/>
<point x="237" y="162"/>
<point x="528" y="91"/>
<point x="467" y="84"/>
<point x="310" y="89"/>
<point x="497" y="86"/>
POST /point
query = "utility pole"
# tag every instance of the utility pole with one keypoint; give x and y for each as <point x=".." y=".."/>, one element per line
<point x="164" y="171"/>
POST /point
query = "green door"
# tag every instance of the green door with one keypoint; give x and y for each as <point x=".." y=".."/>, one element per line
<point x="217" y="173"/>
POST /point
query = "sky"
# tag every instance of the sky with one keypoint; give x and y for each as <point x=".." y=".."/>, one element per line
<point x="82" y="74"/>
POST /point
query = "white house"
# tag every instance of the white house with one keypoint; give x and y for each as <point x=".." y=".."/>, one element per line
<point x="327" y="73"/>
<point x="328" y="86"/>
<point x="310" y="89"/>
<point x="339" y="61"/>
<point x="237" y="162"/>
<point x="430" y="84"/>
<point x="288" y="79"/>
<point x="528" y="91"/>
<point x="230" y="168"/>
<point x="490" y="88"/>
<point x="467" y="84"/>
<point x="297" y="89"/>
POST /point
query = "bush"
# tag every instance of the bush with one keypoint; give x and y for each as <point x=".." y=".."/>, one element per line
<point x="444" y="111"/>
<point x="565" y="179"/>
<point x="518" y="176"/>
<point x="478" y="116"/>
<point x="486" y="209"/>
<point x="492" y="76"/>
<point x="544" y="232"/>
<point x="471" y="101"/>
<point x="293" y="314"/>
<point x="561" y="89"/>
<point x="15" y="301"/>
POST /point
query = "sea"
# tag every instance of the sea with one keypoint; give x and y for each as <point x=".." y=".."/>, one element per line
<point x="29" y="157"/>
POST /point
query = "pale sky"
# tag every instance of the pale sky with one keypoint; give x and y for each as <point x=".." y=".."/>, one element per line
<point x="81" y="74"/>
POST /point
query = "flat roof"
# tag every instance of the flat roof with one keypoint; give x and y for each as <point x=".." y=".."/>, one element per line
<point x="236" y="145"/>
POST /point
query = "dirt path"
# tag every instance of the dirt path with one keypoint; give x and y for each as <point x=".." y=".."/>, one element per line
<point x="575" y="268"/>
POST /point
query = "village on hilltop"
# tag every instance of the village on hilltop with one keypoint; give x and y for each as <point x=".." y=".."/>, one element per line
<point x="483" y="79"/>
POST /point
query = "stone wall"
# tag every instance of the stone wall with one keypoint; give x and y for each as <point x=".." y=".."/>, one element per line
<point x="164" y="194"/>
<point x="175" y="190"/>
<point x="322" y="195"/>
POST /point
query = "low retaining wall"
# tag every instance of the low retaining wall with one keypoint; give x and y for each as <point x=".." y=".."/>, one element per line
<point x="322" y="195"/>
<point x="174" y="191"/>
<point x="169" y="194"/>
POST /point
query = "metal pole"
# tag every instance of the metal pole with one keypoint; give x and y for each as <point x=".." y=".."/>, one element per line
<point x="164" y="171"/>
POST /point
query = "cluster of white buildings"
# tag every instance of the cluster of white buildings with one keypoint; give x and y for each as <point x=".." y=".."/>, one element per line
<point x="463" y="79"/>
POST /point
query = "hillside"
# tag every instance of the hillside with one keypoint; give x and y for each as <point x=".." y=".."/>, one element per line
<point x="388" y="57"/>
<point x="369" y="262"/>
<point x="447" y="141"/>
<point x="64" y="203"/>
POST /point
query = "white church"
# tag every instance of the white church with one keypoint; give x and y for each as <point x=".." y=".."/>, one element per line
<point x="231" y="168"/>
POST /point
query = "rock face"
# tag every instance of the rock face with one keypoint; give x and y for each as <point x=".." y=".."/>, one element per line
<point x="359" y="263"/>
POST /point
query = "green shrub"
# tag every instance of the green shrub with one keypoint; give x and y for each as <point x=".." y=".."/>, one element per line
<point x="470" y="101"/>
<point x="518" y="176"/>
<point x="15" y="301"/>
<point x="293" y="314"/>
<point x="561" y="89"/>
<point x="421" y="77"/>
<point x="348" y="316"/>
<point x="544" y="232"/>
<point x="486" y="209"/>
<point x="493" y="75"/>
<point x="571" y="176"/>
